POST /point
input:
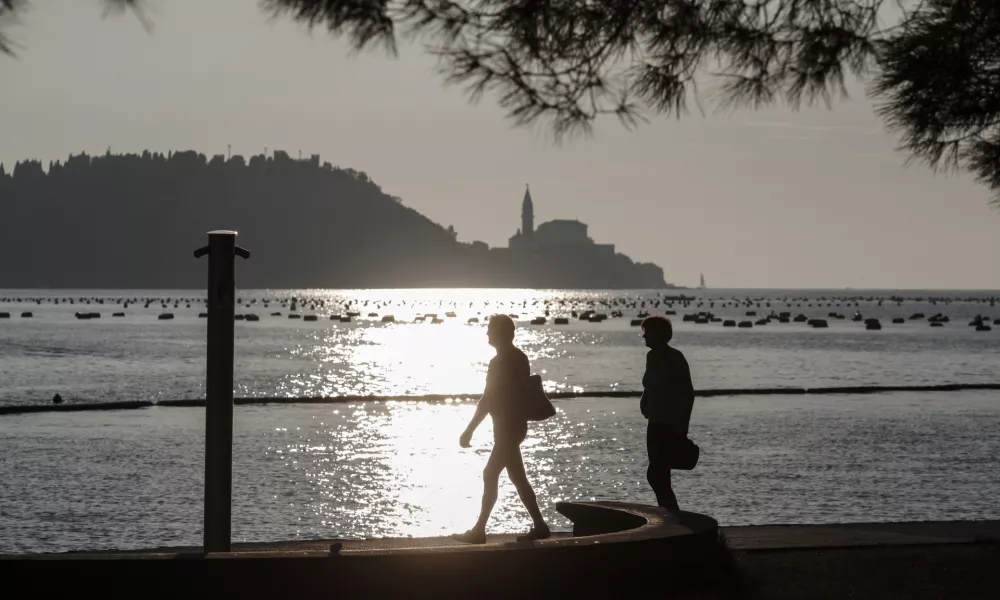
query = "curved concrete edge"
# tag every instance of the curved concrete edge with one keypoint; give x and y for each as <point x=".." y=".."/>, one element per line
<point x="595" y="523"/>
<point x="625" y="545"/>
<point x="605" y="524"/>
<point x="618" y="522"/>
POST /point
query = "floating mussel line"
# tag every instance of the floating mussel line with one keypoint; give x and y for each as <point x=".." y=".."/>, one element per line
<point x="539" y="311"/>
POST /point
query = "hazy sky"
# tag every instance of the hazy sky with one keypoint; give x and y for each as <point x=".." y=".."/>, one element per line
<point x="771" y="198"/>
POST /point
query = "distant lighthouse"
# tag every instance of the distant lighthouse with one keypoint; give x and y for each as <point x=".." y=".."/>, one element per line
<point x="701" y="286"/>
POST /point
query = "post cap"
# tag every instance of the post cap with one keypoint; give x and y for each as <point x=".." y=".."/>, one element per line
<point x="221" y="232"/>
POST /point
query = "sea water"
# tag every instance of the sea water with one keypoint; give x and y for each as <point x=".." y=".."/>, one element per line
<point x="130" y="479"/>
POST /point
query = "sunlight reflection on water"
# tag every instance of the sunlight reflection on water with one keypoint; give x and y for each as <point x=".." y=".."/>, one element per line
<point x="400" y="359"/>
<point x="405" y="460"/>
<point x="139" y="357"/>
<point x="131" y="479"/>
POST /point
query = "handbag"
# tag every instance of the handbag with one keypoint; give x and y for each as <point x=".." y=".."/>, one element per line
<point x="684" y="456"/>
<point x="537" y="406"/>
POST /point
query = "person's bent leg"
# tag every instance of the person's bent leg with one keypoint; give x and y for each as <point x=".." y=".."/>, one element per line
<point x="491" y="483"/>
<point x="518" y="476"/>
<point x="659" y="480"/>
<point x="658" y="473"/>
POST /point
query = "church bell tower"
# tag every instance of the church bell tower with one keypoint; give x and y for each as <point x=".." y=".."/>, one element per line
<point x="527" y="215"/>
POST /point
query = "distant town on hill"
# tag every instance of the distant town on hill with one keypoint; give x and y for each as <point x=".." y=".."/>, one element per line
<point x="132" y="221"/>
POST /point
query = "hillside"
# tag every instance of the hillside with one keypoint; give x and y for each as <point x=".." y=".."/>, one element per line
<point x="132" y="221"/>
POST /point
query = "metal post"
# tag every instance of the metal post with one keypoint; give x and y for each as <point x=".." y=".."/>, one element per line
<point x="221" y="251"/>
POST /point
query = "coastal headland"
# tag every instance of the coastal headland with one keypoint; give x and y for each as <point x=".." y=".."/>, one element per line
<point x="309" y="225"/>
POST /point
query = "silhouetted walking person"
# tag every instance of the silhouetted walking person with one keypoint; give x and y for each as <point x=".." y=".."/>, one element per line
<point x="667" y="400"/>
<point x="506" y="384"/>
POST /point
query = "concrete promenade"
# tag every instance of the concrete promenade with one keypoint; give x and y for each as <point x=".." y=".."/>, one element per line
<point x="848" y="535"/>
<point x="612" y="554"/>
<point x="741" y="538"/>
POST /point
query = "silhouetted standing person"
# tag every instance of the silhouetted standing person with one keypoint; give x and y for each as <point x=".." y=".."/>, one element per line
<point x="667" y="400"/>
<point x="506" y="383"/>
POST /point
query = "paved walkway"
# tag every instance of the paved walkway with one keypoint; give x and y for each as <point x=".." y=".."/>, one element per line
<point x="748" y="538"/>
<point x="774" y="537"/>
<point x="496" y="540"/>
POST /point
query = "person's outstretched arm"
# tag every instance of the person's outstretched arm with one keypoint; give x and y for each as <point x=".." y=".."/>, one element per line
<point x="481" y="411"/>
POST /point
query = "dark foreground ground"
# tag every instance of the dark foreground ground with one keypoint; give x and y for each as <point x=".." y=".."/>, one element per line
<point x="955" y="560"/>
<point x="936" y="571"/>
<point x="879" y="560"/>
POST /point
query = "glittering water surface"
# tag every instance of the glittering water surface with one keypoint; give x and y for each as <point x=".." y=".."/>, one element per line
<point x="134" y="479"/>
<point x="139" y="357"/>
<point x="131" y="479"/>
